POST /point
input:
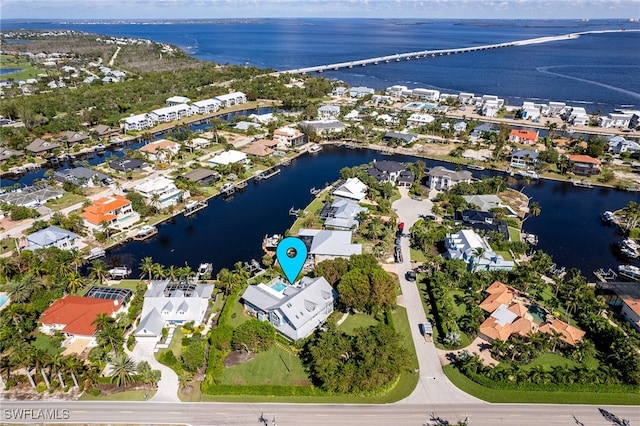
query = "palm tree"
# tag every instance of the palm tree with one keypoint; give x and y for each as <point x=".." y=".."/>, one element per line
<point x="172" y="273"/>
<point x="75" y="282"/>
<point x="146" y="267"/>
<point x="534" y="209"/>
<point x="159" y="271"/>
<point x="106" y="230"/>
<point x="226" y="280"/>
<point x="74" y="366"/>
<point x="19" y="290"/>
<point x="77" y="259"/>
<point x="183" y="379"/>
<point x="122" y="370"/>
<point x="478" y="254"/>
<point x="98" y="270"/>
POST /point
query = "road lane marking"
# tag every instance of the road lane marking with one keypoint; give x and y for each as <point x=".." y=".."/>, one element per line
<point x="126" y="412"/>
<point x="175" y="412"/>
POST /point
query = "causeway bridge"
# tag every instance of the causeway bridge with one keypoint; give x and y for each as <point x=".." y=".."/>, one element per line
<point x="424" y="54"/>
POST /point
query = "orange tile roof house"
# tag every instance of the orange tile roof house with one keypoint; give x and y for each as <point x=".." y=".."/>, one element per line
<point x="569" y="334"/>
<point x="261" y="148"/>
<point x="584" y="165"/>
<point x="529" y="137"/>
<point x="116" y="210"/>
<point x="499" y="294"/>
<point x="74" y="315"/>
<point x="631" y="311"/>
<point x="160" y="149"/>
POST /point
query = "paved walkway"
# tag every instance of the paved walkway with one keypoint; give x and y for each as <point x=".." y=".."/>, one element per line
<point x="168" y="384"/>
<point x="433" y="387"/>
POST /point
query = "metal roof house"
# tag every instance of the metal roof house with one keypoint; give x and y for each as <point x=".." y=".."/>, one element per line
<point x="295" y="310"/>
<point x="323" y="244"/>
<point x="352" y="188"/>
<point x="342" y="213"/>
<point x="386" y="171"/>
<point x="475" y="252"/>
<point x="167" y="304"/>
<point x="52" y="237"/>
<point x="81" y="176"/>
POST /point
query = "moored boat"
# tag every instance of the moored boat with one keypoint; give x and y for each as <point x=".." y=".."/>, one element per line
<point x="607" y="216"/>
<point x="629" y="271"/>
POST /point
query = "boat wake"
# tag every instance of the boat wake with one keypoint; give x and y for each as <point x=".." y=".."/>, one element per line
<point x="545" y="70"/>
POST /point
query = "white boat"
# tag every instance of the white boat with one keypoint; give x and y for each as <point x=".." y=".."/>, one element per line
<point x="607" y="216"/>
<point x="269" y="243"/>
<point x="528" y="174"/>
<point x="629" y="271"/>
<point x="205" y="268"/>
<point x="227" y="189"/>
<point x="119" y="272"/>
<point x="315" y="148"/>
<point x="475" y="167"/>
<point x="96" y="253"/>
<point x="145" y="232"/>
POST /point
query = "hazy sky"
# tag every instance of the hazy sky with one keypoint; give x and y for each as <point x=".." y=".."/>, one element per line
<point x="212" y="9"/>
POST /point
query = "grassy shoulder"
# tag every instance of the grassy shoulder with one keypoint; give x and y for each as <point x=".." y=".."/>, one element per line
<point x="133" y="395"/>
<point x="569" y="396"/>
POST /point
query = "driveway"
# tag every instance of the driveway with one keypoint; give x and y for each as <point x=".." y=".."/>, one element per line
<point x="168" y="384"/>
<point x="433" y="386"/>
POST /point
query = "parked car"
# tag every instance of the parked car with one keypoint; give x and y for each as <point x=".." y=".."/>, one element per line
<point x="411" y="275"/>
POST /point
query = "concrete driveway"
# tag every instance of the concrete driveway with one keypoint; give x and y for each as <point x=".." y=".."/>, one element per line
<point x="433" y="387"/>
<point x="168" y="384"/>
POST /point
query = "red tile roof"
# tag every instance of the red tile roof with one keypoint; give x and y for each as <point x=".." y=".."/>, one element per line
<point x="529" y="135"/>
<point x="77" y="313"/>
<point x="104" y="209"/>
<point x="583" y="159"/>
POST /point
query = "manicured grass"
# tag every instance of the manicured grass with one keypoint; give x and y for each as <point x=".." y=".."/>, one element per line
<point x="505" y="254"/>
<point x="26" y="69"/>
<point x="130" y="284"/>
<point x="47" y="344"/>
<point x="312" y="209"/>
<point x="355" y="321"/>
<point x="67" y="200"/>
<point x="176" y="343"/>
<point x="418" y="255"/>
<point x="238" y="316"/>
<point x="273" y="367"/>
<point x="7" y="245"/>
<point x="543" y="397"/>
<point x="549" y="360"/>
<point x="134" y="395"/>
<point x="514" y="234"/>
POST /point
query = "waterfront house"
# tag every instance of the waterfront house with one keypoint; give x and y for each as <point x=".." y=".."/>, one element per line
<point x="245" y="126"/>
<point x="160" y="150"/>
<point x="103" y="132"/>
<point x="477" y="217"/>
<point x="584" y="165"/>
<point x="341" y="213"/>
<point x="441" y="178"/>
<point x="168" y="304"/>
<point x="324" y="244"/>
<point x="41" y="146"/>
<point x="81" y="176"/>
<point x="74" y="316"/>
<point x="527" y="137"/>
<point x="6" y="154"/>
<point x="470" y="247"/>
<point x="420" y="119"/>
<point x="231" y="99"/>
<point x="177" y="100"/>
<point x="115" y="210"/>
<point x="618" y="120"/>
<point x="618" y="145"/>
<point x="328" y="112"/>
<point x="352" y="188"/>
<point x="206" y="106"/>
<point x="263" y="119"/>
<point x="630" y="312"/>
<point x="171" y="113"/>
<point x="360" y="92"/>
<point x="229" y="157"/>
<point x="490" y="108"/>
<point x="289" y="137"/>
<point x="483" y="130"/>
<point x="159" y="192"/>
<point x="261" y="148"/>
<point x="203" y="177"/>
<point x="197" y="143"/>
<point x="524" y="158"/>
<point x="381" y="99"/>
<point x="405" y="178"/>
<point x="53" y="236"/>
<point x="556" y="109"/>
<point x="71" y="137"/>
<point x="31" y="196"/>
<point x="396" y="90"/>
<point x="323" y="127"/>
<point x="136" y="122"/>
<point x="339" y="91"/>
<point x="294" y="310"/>
<point x="426" y="94"/>
<point x="125" y="164"/>
<point x="399" y="138"/>
<point x="386" y="171"/>
<point x="488" y="202"/>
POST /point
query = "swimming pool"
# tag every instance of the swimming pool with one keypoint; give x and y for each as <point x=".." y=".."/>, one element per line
<point x="537" y="313"/>
<point x="279" y="286"/>
<point x="3" y="299"/>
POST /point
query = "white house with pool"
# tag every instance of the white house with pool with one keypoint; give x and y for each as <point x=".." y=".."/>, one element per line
<point x="294" y="310"/>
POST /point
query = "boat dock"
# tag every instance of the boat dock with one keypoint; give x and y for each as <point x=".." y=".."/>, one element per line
<point x="582" y="183"/>
<point x="605" y="276"/>
<point x="227" y="189"/>
<point x="193" y="207"/>
<point x="96" y="253"/>
<point x="295" y="212"/>
<point x="119" y="272"/>
<point x="266" y="174"/>
<point x="145" y="232"/>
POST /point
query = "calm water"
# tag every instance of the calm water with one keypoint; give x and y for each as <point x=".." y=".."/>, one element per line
<point x="9" y="70"/>
<point x="599" y="71"/>
<point x="230" y="230"/>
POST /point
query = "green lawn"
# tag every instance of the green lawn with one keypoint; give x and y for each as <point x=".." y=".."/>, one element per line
<point x="355" y="321"/>
<point x="7" y="245"/>
<point x="550" y="360"/>
<point x="540" y="397"/>
<point x="514" y="234"/>
<point x="26" y="69"/>
<point x="130" y="284"/>
<point x="47" y="344"/>
<point x="238" y="316"/>
<point x="312" y="209"/>
<point x="418" y="255"/>
<point x="67" y="200"/>
<point x="273" y="367"/>
<point x="134" y="395"/>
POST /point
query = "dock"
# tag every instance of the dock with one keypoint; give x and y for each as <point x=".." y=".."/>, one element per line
<point x="227" y="189"/>
<point x="119" y="272"/>
<point x="241" y="185"/>
<point x="193" y="207"/>
<point x="582" y="183"/>
<point x="605" y="276"/>
<point x="266" y="174"/>
<point x="315" y="191"/>
<point x="295" y="212"/>
<point x="145" y="232"/>
<point x="96" y="253"/>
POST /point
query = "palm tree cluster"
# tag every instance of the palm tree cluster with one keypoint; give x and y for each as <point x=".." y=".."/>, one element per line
<point x="152" y="270"/>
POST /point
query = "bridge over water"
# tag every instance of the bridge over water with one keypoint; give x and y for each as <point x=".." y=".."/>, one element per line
<point x="423" y="54"/>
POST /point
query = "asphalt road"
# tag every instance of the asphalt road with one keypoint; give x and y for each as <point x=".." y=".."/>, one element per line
<point x="306" y="414"/>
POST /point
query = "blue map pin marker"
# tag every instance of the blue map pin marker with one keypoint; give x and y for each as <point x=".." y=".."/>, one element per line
<point x="291" y="254"/>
